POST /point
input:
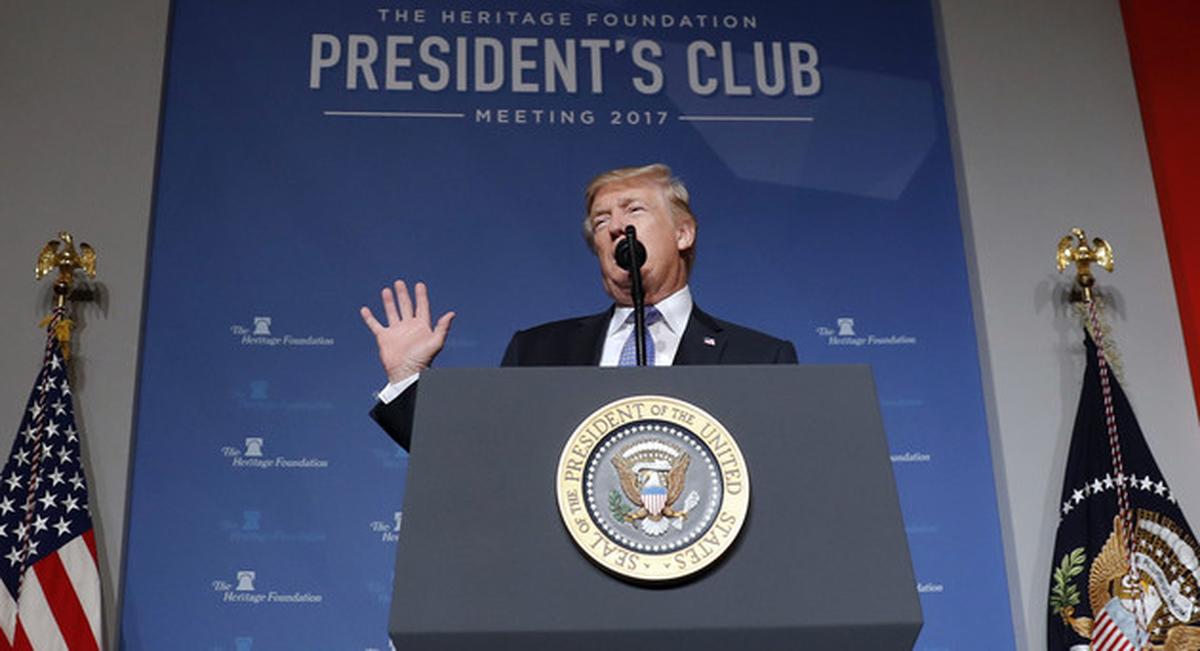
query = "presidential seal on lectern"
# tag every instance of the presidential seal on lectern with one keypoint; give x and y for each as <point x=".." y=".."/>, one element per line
<point x="652" y="488"/>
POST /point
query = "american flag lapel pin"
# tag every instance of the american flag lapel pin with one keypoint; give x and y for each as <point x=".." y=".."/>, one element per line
<point x="709" y="341"/>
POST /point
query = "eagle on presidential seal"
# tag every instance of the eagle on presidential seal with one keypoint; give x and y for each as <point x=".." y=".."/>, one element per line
<point x="652" y="475"/>
<point x="1154" y="608"/>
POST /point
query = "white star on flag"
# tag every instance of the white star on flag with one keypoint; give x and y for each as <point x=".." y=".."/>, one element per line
<point x="47" y="500"/>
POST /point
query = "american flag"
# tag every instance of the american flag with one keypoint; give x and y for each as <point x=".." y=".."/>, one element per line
<point x="51" y="593"/>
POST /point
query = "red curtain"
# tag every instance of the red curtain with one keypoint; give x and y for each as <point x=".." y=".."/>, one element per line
<point x="1164" y="48"/>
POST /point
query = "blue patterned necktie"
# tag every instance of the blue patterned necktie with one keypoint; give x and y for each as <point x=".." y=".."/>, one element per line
<point x="629" y="350"/>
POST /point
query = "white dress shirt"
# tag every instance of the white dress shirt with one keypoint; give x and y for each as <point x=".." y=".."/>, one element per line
<point x="667" y="332"/>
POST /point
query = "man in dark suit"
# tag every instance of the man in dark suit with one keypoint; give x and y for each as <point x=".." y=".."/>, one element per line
<point x="657" y="204"/>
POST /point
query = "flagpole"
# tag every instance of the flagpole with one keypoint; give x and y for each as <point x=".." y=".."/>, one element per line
<point x="1075" y="248"/>
<point x="57" y="254"/>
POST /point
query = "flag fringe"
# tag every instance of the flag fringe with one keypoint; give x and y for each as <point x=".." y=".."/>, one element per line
<point x="57" y="324"/>
<point x="1103" y="338"/>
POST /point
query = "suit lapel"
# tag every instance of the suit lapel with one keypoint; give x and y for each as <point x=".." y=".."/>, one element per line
<point x="587" y="346"/>
<point x="702" y="341"/>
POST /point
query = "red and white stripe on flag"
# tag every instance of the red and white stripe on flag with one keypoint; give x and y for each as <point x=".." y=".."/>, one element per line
<point x="59" y="606"/>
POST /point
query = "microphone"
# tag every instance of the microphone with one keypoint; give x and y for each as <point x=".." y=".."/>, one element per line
<point x="629" y="249"/>
<point x="630" y="256"/>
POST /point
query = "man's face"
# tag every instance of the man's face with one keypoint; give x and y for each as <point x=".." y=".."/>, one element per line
<point x="644" y="204"/>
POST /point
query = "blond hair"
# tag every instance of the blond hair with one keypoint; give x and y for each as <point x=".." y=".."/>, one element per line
<point x="658" y="173"/>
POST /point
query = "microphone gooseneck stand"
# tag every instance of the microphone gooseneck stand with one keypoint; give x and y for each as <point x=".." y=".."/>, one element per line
<point x="631" y="255"/>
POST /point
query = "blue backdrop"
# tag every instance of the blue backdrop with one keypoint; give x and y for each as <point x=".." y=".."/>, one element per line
<point x="313" y="151"/>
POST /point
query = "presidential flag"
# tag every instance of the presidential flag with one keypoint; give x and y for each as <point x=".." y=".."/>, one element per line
<point x="51" y="593"/>
<point x="1125" y="567"/>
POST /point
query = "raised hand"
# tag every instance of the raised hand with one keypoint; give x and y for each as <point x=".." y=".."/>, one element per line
<point x="408" y="343"/>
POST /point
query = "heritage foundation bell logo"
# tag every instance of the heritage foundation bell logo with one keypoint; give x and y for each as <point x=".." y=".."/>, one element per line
<point x="254" y="446"/>
<point x="262" y="325"/>
<point x="245" y="581"/>
<point x="652" y="488"/>
<point x="845" y="327"/>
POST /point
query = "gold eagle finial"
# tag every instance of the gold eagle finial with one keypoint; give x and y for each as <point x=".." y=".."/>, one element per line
<point x="61" y="254"/>
<point x="1075" y="248"/>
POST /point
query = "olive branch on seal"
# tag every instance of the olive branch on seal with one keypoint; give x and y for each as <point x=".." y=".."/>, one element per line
<point x="1064" y="593"/>
<point x="617" y="505"/>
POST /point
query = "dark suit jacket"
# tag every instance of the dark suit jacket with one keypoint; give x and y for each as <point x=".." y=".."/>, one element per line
<point x="580" y="342"/>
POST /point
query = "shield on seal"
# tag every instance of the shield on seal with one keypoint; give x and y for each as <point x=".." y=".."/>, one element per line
<point x="1113" y="627"/>
<point x="654" y="498"/>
